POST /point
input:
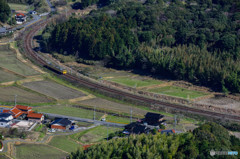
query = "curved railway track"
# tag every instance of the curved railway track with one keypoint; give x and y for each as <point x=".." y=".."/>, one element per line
<point x="90" y="84"/>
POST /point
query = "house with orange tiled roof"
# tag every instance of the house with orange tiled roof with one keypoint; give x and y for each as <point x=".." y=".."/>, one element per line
<point x="35" y="117"/>
<point x="16" y="112"/>
<point x="24" y="109"/>
<point x="20" y="18"/>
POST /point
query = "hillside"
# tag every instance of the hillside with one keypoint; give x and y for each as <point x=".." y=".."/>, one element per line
<point x="188" y="40"/>
<point x="196" y="144"/>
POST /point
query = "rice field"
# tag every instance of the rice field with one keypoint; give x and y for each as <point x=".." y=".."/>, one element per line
<point x="135" y="82"/>
<point x="9" y="61"/>
<point x="178" y="92"/>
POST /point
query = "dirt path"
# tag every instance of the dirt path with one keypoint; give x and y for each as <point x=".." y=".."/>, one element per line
<point x="90" y="96"/>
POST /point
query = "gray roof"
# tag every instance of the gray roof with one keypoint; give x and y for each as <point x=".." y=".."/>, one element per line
<point x="62" y="122"/>
<point x="4" y="121"/>
<point x="5" y="115"/>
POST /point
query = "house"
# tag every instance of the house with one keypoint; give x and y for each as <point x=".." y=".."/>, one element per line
<point x="20" y="18"/>
<point x="172" y="131"/>
<point x="135" y="128"/>
<point x="24" y="109"/>
<point x="16" y="112"/>
<point x="5" y="123"/>
<point x="153" y="119"/>
<point x="6" y="116"/>
<point x="61" y="123"/>
<point x="5" y="111"/>
<point x="35" y="117"/>
<point x="32" y="12"/>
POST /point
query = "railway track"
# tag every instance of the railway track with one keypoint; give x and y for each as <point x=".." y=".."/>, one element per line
<point x="90" y="84"/>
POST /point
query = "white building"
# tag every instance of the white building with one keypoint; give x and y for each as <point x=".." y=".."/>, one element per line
<point x="6" y="116"/>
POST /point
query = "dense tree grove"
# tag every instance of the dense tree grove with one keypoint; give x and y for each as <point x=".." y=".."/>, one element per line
<point x="21" y="1"/>
<point x="197" y="144"/>
<point x="4" y="11"/>
<point x="198" y="41"/>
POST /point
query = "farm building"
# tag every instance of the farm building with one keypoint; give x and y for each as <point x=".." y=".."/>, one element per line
<point x="62" y="123"/>
<point x="35" y="117"/>
<point x="20" y="18"/>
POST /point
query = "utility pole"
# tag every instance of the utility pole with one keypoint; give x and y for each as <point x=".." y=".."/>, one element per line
<point x="107" y="132"/>
<point x="94" y="113"/>
<point x="15" y="100"/>
<point x="131" y="115"/>
<point x="175" y="121"/>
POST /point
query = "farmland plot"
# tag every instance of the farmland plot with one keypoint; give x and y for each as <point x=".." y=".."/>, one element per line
<point x="7" y="95"/>
<point x="54" y="89"/>
<point x="38" y="151"/>
<point x="7" y="77"/>
<point x="9" y="61"/>
<point x="114" y="106"/>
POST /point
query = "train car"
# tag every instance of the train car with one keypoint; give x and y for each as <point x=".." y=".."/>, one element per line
<point x="55" y="69"/>
<point x="64" y="72"/>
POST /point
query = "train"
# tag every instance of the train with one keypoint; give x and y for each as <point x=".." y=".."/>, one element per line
<point x="55" y="68"/>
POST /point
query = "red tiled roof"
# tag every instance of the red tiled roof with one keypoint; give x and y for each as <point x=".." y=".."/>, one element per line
<point x="35" y="115"/>
<point x="22" y="107"/>
<point x="6" y="111"/>
<point x="20" y="14"/>
<point x="16" y="112"/>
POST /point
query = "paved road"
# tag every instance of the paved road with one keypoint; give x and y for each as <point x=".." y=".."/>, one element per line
<point x="35" y="19"/>
<point x="84" y="120"/>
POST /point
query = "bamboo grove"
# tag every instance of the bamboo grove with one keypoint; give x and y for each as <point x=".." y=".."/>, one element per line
<point x="196" y="144"/>
<point x="197" y="41"/>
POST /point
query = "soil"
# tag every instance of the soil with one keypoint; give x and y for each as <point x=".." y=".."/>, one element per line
<point x="222" y="102"/>
<point x="54" y="89"/>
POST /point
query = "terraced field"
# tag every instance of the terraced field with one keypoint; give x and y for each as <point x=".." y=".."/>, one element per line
<point x="7" y="77"/>
<point x="114" y="106"/>
<point x="23" y="96"/>
<point x="9" y="61"/>
<point x="178" y="92"/>
<point x="54" y="89"/>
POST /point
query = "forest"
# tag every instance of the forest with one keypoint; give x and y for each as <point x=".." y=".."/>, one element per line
<point x="196" y="41"/>
<point x="4" y="11"/>
<point x="196" y="144"/>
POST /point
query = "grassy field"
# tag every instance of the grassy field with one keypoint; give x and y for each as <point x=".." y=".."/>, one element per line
<point x="178" y="92"/>
<point x="134" y="82"/>
<point x="64" y="143"/>
<point x="116" y="119"/>
<point x="9" y="61"/>
<point x="7" y="77"/>
<point x="93" y="135"/>
<point x="23" y="96"/>
<point x="69" y="111"/>
<point x="38" y="151"/>
<point x="16" y="7"/>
